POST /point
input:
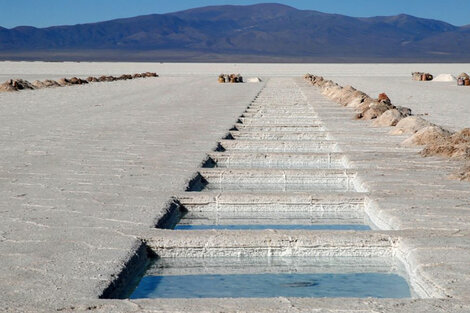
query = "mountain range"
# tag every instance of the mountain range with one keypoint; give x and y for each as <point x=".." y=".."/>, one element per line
<point x="264" y="32"/>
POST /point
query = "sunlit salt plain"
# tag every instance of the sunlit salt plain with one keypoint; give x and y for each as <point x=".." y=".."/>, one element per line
<point x="443" y="103"/>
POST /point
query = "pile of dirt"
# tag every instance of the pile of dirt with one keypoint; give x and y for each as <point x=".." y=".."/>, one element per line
<point x="410" y="125"/>
<point x="384" y="97"/>
<point x="45" y="84"/>
<point x="455" y="146"/>
<point x="125" y="77"/>
<point x="318" y="81"/>
<point x="64" y="82"/>
<point x="149" y="74"/>
<point x="92" y="79"/>
<point x="404" y="111"/>
<point x="437" y="140"/>
<point x="77" y="81"/>
<point x="367" y="107"/>
<point x="230" y="78"/>
<point x="353" y="98"/>
<point x="16" y="85"/>
<point x="392" y="117"/>
<point x="428" y="135"/>
<point x="105" y="78"/>
<point x="388" y="118"/>
<point x="346" y="96"/>
<point x="333" y="91"/>
<point x="374" y="110"/>
<point x="420" y="76"/>
<point x="20" y="84"/>
<point x="447" y="150"/>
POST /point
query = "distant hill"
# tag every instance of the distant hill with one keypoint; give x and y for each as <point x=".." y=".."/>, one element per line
<point x="263" y="32"/>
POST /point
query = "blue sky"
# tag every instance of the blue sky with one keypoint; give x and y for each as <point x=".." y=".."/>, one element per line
<point x="41" y="13"/>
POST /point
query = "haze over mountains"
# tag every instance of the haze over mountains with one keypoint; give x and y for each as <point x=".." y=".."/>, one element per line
<point x="264" y="32"/>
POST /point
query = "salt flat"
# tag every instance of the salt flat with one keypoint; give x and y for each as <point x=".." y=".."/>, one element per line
<point x="37" y="70"/>
<point x="445" y="103"/>
<point x="86" y="170"/>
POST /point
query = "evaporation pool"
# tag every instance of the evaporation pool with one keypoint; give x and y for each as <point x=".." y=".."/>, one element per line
<point x="247" y="217"/>
<point x="344" y="277"/>
<point x="363" y="285"/>
<point x="275" y="227"/>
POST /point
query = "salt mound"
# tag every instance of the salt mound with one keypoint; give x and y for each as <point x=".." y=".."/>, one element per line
<point x="427" y="135"/>
<point x="373" y="111"/>
<point x="455" y="146"/>
<point x="409" y="125"/>
<point x="389" y="118"/>
<point x="445" y="148"/>
<point x="445" y="78"/>
<point x="254" y="80"/>
<point x="15" y="85"/>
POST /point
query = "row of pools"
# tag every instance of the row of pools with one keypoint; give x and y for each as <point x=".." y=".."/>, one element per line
<point x="262" y="177"/>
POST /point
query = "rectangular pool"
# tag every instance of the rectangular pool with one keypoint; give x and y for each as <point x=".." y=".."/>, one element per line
<point x="275" y="227"/>
<point x="344" y="277"/>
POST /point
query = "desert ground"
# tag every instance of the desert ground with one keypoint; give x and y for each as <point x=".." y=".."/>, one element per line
<point x="87" y="171"/>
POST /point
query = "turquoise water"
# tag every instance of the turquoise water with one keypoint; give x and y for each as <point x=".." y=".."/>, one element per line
<point x="279" y="227"/>
<point x="329" y="285"/>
